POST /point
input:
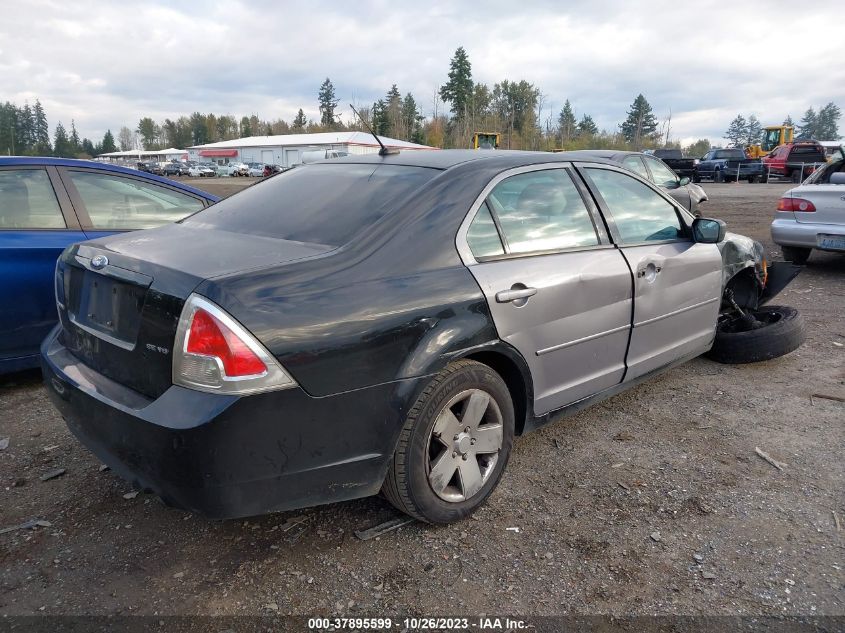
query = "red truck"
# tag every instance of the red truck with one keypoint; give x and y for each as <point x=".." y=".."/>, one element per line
<point x="795" y="160"/>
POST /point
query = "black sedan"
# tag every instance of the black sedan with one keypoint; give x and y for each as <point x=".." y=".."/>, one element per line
<point x="378" y="323"/>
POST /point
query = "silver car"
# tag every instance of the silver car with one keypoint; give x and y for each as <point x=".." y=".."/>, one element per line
<point x="812" y="215"/>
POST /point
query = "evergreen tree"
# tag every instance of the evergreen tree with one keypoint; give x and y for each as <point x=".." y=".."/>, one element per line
<point x="108" y="144"/>
<point x="458" y="91"/>
<point x="42" y="131"/>
<point x="566" y="123"/>
<point x="737" y="131"/>
<point x="25" y="130"/>
<point x="827" y="123"/>
<point x="393" y="113"/>
<point x="481" y="100"/>
<point x="328" y="102"/>
<point x="380" y="123"/>
<point x="75" y="144"/>
<point x="587" y="127"/>
<point x="640" y="123"/>
<point x="411" y="118"/>
<point x="299" y="122"/>
<point x="150" y="132"/>
<point x="89" y="150"/>
<point x="199" y="129"/>
<point x="61" y="144"/>
<point x="246" y="127"/>
<point x="788" y="121"/>
<point x="807" y="126"/>
<point x="753" y="131"/>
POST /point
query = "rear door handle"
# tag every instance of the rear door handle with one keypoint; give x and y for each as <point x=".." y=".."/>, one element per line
<point x="513" y="294"/>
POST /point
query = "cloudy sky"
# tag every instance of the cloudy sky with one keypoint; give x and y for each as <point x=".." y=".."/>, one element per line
<point x="106" y="64"/>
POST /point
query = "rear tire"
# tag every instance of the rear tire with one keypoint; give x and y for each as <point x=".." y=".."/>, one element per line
<point x="784" y="332"/>
<point x="436" y="475"/>
<point x="796" y="254"/>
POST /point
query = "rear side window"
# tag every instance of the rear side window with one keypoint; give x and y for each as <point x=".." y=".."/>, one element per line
<point x="28" y="201"/>
<point x="319" y="204"/>
<point x="482" y="236"/>
<point x="115" y="202"/>
<point x="542" y="211"/>
<point x="640" y="213"/>
<point x="636" y="165"/>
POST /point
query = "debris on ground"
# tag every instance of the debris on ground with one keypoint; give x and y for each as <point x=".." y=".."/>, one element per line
<point x="131" y="495"/>
<point x="52" y="474"/>
<point x="383" y="528"/>
<point x="4" y="443"/>
<point x="824" y="396"/>
<point x="708" y="575"/>
<point x="836" y="521"/>
<point x="512" y="529"/>
<point x="103" y="468"/>
<point x="655" y="536"/>
<point x="698" y="558"/>
<point x="26" y="525"/>
<point x="769" y="458"/>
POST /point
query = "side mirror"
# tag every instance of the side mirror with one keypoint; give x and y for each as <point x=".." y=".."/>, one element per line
<point x="683" y="182"/>
<point x="706" y="231"/>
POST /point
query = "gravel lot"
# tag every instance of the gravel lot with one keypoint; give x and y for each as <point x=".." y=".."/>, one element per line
<point x="653" y="502"/>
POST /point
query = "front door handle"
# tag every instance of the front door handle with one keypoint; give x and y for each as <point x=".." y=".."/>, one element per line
<point x="649" y="272"/>
<point x="514" y="294"/>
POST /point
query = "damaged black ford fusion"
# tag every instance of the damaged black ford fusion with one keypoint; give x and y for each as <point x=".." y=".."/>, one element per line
<point x="387" y="323"/>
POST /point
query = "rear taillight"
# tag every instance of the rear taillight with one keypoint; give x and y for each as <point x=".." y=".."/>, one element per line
<point x="215" y="353"/>
<point x="799" y="205"/>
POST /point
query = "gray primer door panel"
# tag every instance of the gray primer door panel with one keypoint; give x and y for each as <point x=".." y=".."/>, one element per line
<point x="573" y="332"/>
<point x="677" y="294"/>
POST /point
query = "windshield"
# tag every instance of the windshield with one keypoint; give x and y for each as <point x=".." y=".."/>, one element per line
<point x="320" y="204"/>
<point x="771" y="140"/>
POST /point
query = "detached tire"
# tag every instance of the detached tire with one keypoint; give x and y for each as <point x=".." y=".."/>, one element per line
<point x="784" y="332"/>
<point x="454" y="445"/>
<point x="795" y="254"/>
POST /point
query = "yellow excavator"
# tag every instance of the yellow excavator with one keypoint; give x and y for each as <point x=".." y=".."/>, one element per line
<point x="485" y="140"/>
<point x="773" y="135"/>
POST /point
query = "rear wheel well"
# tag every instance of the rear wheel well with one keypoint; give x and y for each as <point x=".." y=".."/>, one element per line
<point x="510" y="373"/>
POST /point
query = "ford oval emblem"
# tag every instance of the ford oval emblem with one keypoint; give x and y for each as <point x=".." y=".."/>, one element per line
<point x="99" y="261"/>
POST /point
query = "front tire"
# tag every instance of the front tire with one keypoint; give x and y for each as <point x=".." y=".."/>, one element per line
<point x="796" y="254"/>
<point x="718" y="176"/>
<point x="454" y="446"/>
<point x="783" y="331"/>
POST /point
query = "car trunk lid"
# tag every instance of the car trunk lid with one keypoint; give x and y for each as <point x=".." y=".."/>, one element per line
<point x="120" y="297"/>
<point x="829" y="201"/>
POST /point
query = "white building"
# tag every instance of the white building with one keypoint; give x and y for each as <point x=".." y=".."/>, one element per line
<point x="286" y="149"/>
<point x="135" y="155"/>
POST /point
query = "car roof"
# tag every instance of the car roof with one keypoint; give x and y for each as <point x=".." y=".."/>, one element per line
<point x="46" y="161"/>
<point x="447" y="158"/>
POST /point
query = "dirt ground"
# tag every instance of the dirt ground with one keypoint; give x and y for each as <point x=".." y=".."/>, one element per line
<point x="653" y="502"/>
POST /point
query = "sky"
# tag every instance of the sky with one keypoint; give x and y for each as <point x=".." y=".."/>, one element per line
<point x="106" y="64"/>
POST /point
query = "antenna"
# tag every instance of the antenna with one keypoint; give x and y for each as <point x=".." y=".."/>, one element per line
<point x="384" y="151"/>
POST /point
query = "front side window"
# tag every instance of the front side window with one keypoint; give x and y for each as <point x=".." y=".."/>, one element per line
<point x="116" y="202"/>
<point x="542" y="211"/>
<point x="663" y="176"/>
<point x="640" y="213"/>
<point x="28" y="201"/>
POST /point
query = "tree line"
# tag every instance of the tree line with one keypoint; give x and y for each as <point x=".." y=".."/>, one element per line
<point x="822" y="125"/>
<point x="24" y="131"/>
<point x="516" y="109"/>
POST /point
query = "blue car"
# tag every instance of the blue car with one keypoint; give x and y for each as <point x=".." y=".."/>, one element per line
<point x="47" y="204"/>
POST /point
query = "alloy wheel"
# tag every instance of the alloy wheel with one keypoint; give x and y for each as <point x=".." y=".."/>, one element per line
<point x="464" y="445"/>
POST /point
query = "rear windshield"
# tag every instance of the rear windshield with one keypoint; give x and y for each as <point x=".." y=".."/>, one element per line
<point x="730" y="153"/>
<point x="320" y="204"/>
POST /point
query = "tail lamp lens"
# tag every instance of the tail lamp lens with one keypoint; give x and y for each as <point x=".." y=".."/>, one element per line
<point x="215" y="353"/>
<point x="799" y="205"/>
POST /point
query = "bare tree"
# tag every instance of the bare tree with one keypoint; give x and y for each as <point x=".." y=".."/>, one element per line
<point x="126" y="139"/>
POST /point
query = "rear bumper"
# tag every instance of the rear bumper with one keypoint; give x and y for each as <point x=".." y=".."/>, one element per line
<point x="789" y="232"/>
<point x="228" y="456"/>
